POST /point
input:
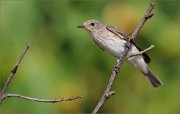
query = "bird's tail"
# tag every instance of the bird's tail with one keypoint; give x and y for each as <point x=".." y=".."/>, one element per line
<point x="153" y="79"/>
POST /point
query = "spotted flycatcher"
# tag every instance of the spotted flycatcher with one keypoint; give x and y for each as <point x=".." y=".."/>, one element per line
<point x="113" y="41"/>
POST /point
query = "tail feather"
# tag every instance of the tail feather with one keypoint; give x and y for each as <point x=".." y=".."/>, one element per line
<point x="153" y="79"/>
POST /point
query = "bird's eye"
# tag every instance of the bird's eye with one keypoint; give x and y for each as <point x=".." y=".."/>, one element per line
<point x="92" y="24"/>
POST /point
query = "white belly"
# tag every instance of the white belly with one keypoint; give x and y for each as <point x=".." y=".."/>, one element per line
<point x="114" y="46"/>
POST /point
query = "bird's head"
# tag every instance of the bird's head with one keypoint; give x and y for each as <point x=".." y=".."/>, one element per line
<point x="91" y="25"/>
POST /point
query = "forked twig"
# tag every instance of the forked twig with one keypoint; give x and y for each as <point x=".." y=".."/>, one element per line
<point x="141" y="52"/>
<point x="121" y="60"/>
<point x="147" y="16"/>
<point x="4" y="95"/>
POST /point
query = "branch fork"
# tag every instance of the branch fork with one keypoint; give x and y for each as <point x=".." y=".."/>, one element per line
<point x="108" y="93"/>
<point x="4" y="95"/>
<point x="141" y="52"/>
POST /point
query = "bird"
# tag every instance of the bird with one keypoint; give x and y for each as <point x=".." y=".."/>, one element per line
<point x="113" y="40"/>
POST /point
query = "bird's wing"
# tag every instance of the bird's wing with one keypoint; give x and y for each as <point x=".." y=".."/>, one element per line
<point x="120" y="33"/>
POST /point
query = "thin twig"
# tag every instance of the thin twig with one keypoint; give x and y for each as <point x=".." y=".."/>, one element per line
<point x="120" y="61"/>
<point x="12" y="73"/>
<point x="43" y="100"/>
<point x="141" y="52"/>
<point x="108" y="93"/>
<point x="4" y="95"/>
<point x="147" y="16"/>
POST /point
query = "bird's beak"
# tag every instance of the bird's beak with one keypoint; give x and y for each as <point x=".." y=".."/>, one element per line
<point x="80" y="26"/>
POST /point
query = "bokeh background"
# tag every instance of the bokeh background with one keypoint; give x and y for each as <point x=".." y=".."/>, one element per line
<point x="63" y="61"/>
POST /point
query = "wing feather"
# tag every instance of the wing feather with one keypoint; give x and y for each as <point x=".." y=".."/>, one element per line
<point x="118" y="32"/>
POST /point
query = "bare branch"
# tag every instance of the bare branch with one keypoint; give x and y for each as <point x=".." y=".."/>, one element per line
<point x="147" y="16"/>
<point x="120" y="61"/>
<point x="42" y="100"/>
<point x="4" y="95"/>
<point x="14" y="69"/>
<point x="12" y="73"/>
<point x="141" y="52"/>
<point x="108" y="93"/>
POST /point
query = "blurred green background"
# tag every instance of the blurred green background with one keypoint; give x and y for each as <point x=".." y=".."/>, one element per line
<point x="63" y="61"/>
